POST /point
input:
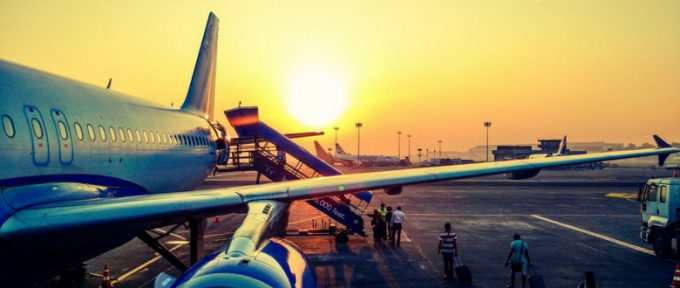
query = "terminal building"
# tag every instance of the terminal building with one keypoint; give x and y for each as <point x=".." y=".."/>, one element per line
<point x="545" y="146"/>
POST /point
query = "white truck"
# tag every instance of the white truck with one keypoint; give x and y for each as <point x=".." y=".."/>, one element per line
<point x="660" y="215"/>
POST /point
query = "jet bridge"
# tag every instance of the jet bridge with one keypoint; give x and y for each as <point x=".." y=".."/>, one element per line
<point x="272" y="154"/>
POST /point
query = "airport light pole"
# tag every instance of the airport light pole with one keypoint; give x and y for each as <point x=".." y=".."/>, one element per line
<point x="440" y="148"/>
<point x="336" y="139"/>
<point x="487" y="125"/>
<point x="398" y="144"/>
<point x="358" y="125"/>
<point x="420" y="152"/>
<point x="409" y="147"/>
<point x="427" y="154"/>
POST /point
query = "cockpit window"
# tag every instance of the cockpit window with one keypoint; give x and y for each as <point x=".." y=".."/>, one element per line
<point x="8" y="124"/>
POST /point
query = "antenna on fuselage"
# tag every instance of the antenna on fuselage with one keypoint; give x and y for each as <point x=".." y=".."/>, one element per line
<point x="108" y="86"/>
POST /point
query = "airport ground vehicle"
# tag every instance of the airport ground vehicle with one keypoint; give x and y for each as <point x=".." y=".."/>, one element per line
<point x="660" y="214"/>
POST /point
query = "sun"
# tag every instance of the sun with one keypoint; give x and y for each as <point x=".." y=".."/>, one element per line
<point x="317" y="97"/>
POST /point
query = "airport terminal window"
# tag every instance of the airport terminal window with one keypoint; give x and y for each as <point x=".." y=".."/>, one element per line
<point x="662" y="194"/>
<point x="62" y="130"/>
<point x="37" y="128"/>
<point x="79" y="131"/>
<point x="651" y="192"/>
<point x="139" y="138"/>
<point x="113" y="133"/>
<point x="9" y="126"/>
<point x="132" y="139"/>
<point x="90" y="132"/>
<point x="146" y="137"/>
<point x="102" y="133"/>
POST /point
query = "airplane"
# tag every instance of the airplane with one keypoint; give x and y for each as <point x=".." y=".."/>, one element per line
<point x="86" y="169"/>
<point x="348" y="160"/>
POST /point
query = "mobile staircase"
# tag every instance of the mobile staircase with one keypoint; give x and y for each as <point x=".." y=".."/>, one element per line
<point x="263" y="149"/>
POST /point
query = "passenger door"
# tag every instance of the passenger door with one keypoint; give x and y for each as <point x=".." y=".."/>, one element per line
<point x="64" y="137"/>
<point x="40" y="143"/>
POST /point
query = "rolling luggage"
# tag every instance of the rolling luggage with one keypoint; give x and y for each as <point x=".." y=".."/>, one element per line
<point x="463" y="273"/>
<point x="535" y="280"/>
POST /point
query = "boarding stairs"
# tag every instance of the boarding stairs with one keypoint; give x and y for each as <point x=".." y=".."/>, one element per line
<point x="259" y="154"/>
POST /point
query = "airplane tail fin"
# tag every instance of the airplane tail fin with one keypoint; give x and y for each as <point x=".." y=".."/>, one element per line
<point x="562" y="150"/>
<point x="660" y="143"/>
<point x="201" y="95"/>
<point x="339" y="149"/>
<point x="322" y="153"/>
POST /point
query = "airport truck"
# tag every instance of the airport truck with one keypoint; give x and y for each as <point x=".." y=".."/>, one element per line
<point x="660" y="215"/>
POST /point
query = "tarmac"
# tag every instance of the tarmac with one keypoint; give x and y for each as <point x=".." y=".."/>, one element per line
<point x="573" y="222"/>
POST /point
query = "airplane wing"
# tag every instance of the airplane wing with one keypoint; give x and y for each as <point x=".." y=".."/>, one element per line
<point x="154" y="210"/>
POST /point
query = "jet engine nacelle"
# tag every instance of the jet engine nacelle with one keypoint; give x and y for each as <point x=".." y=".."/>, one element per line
<point x="524" y="174"/>
<point x="278" y="264"/>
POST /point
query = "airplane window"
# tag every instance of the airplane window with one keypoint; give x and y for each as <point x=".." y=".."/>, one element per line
<point x="194" y="141"/>
<point x="132" y="139"/>
<point x="165" y="138"/>
<point x="146" y="137"/>
<point x="139" y="139"/>
<point x="153" y="139"/>
<point x="37" y="128"/>
<point x="62" y="130"/>
<point x="102" y="133"/>
<point x="121" y="133"/>
<point x="173" y="141"/>
<point x="9" y="126"/>
<point x="90" y="132"/>
<point x="79" y="131"/>
<point x="158" y="137"/>
<point x="113" y="134"/>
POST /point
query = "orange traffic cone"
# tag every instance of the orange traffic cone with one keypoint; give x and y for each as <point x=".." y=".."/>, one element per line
<point x="106" y="278"/>
<point x="676" y="277"/>
<point x="675" y="173"/>
<point x="217" y="219"/>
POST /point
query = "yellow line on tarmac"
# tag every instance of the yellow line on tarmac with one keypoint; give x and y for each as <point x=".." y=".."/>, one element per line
<point x="146" y="264"/>
<point x="622" y="195"/>
<point x="596" y="235"/>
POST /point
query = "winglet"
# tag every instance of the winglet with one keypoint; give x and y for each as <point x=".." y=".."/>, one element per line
<point x="662" y="144"/>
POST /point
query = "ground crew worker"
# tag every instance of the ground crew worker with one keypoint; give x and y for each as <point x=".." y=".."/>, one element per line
<point x="519" y="252"/>
<point x="388" y="220"/>
<point x="448" y="248"/>
<point x="383" y="211"/>
<point x="398" y="219"/>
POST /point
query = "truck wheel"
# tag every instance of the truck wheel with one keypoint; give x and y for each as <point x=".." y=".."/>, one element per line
<point x="661" y="244"/>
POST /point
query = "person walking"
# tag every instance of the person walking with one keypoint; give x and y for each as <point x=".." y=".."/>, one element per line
<point x="398" y="218"/>
<point x="388" y="220"/>
<point x="519" y="253"/>
<point x="379" y="232"/>
<point x="448" y="248"/>
<point x="383" y="210"/>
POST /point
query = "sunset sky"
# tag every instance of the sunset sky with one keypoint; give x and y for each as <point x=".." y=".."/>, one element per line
<point x="593" y="70"/>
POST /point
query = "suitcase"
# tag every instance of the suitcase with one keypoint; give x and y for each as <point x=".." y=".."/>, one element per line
<point x="535" y="280"/>
<point x="463" y="273"/>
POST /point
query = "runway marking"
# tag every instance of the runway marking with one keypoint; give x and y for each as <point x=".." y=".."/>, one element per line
<point x="596" y="235"/>
<point x="146" y="264"/>
<point x="622" y="195"/>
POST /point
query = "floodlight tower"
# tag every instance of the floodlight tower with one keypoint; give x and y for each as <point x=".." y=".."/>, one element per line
<point x="398" y="144"/>
<point x="358" y="125"/>
<point x="440" y="148"/>
<point x="336" y="139"/>
<point x="487" y="124"/>
<point x="409" y="147"/>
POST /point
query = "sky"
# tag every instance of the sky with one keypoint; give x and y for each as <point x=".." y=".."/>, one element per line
<point x="593" y="70"/>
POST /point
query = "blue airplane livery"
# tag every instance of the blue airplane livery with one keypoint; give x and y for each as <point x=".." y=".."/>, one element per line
<point x="86" y="169"/>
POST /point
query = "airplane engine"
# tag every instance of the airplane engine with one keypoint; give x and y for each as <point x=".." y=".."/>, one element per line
<point x="278" y="264"/>
<point x="524" y="174"/>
